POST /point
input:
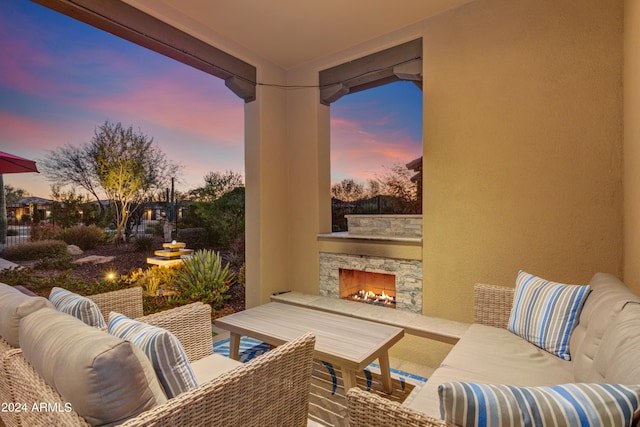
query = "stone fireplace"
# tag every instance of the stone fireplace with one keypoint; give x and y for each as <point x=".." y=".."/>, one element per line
<point x="379" y="253"/>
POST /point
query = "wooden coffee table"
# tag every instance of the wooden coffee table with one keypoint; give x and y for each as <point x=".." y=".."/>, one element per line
<point x="346" y="342"/>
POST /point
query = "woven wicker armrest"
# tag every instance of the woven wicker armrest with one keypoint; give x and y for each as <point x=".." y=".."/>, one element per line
<point x="191" y="324"/>
<point x="271" y="390"/>
<point x="10" y="418"/>
<point x="368" y="409"/>
<point x="492" y="305"/>
<point x="124" y="301"/>
<point x="29" y="388"/>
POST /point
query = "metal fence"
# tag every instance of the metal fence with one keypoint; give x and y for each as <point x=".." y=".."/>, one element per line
<point x="23" y="231"/>
<point x="377" y="205"/>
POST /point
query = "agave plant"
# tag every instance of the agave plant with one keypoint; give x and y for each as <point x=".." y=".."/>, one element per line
<point x="203" y="277"/>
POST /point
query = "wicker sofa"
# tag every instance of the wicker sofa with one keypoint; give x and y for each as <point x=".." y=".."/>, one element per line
<point x="604" y="347"/>
<point x="271" y="388"/>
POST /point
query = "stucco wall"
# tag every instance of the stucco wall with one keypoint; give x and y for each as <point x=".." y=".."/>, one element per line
<point x="632" y="145"/>
<point x="522" y="146"/>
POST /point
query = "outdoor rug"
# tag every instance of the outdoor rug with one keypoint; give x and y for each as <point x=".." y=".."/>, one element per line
<point x="327" y="404"/>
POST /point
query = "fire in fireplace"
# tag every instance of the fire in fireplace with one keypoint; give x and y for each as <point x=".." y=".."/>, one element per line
<point x="368" y="287"/>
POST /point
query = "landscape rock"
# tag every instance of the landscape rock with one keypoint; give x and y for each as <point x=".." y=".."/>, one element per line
<point x="94" y="259"/>
<point x="74" y="250"/>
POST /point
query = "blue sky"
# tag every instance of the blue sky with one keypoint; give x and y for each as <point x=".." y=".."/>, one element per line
<point x="60" y="79"/>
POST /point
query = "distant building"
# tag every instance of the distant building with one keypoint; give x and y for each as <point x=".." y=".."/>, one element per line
<point x="29" y="207"/>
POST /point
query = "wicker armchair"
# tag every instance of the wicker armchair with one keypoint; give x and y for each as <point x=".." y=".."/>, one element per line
<point x="272" y="389"/>
<point x="126" y="301"/>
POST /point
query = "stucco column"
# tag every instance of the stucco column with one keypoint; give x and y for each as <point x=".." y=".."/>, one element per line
<point x="266" y="196"/>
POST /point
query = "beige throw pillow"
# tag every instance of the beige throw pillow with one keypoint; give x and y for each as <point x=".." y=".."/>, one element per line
<point x="107" y="380"/>
<point x="14" y="305"/>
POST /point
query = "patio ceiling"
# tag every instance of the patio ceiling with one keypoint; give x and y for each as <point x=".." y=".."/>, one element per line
<point x="291" y="32"/>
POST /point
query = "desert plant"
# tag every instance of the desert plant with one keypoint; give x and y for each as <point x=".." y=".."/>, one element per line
<point x="203" y="277"/>
<point x="63" y="262"/>
<point x="85" y="237"/>
<point x="41" y="285"/>
<point x="44" y="232"/>
<point x="153" y="278"/>
<point x="241" y="277"/>
<point x="195" y="238"/>
<point x="36" y="250"/>
<point x="143" y="243"/>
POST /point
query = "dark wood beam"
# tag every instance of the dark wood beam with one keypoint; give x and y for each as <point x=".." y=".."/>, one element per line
<point x="402" y="62"/>
<point x="129" y="23"/>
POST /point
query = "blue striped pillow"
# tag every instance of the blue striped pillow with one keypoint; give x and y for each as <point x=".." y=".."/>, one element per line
<point x="77" y="306"/>
<point x="593" y="405"/>
<point x="546" y="313"/>
<point x="167" y="355"/>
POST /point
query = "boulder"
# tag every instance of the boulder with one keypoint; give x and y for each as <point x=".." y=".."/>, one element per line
<point x="74" y="250"/>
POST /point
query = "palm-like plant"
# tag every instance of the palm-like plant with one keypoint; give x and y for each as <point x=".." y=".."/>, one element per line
<point x="204" y="277"/>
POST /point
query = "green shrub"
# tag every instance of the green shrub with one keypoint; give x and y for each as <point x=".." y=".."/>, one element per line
<point x="12" y="232"/>
<point x="44" y="232"/>
<point x="83" y="236"/>
<point x="203" y="277"/>
<point x="36" y="250"/>
<point x="241" y="277"/>
<point x="143" y="243"/>
<point x="195" y="238"/>
<point x="55" y="263"/>
<point x="223" y="218"/>
<point x="26" y="277"/>
<point x="157" y="229"/>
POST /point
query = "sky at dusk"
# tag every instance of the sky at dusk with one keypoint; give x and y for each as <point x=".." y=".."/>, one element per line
<point x="60" y="79"/>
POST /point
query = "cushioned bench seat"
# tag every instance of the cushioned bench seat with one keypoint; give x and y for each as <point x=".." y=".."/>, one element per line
<point x="493" y="356"/>
<point x="495" y="363"/>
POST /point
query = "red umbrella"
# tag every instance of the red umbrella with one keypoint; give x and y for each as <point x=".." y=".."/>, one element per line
<point x="14" y="164"/>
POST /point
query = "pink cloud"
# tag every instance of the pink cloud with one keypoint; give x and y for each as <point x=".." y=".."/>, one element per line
<point x="170" y="101"/>
<point x="31" y="134"/>
<point x="361" y="154"/>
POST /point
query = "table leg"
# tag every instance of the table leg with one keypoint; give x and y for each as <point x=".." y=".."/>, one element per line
<point x="385" y="371"/>
<point x="348" y="378"/>
<point x="234" y="345"/>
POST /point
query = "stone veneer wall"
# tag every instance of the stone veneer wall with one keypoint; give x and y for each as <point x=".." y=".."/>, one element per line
<point x="408" y="276"/>
<point x="385" y="225"/>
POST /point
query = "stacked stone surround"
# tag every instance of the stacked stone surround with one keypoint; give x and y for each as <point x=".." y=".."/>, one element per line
<point x="408" y="275"/>
<point x="392" y="229"/>
<point x="401" y="226"/>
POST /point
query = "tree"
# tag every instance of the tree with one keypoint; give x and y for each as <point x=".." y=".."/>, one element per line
<point x="71" y="165"/>
<point x="14" y="195"/>
<point x="68" y="206"/>
<point x="118" y="162"/>
<point x="129" y="167"/>
<point x="396" y="182"/>
<point x="216" y="184"/>
<point x="347" y="190"/>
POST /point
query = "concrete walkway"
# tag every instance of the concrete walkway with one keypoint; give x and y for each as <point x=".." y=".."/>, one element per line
<point x="4" y="264"/>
